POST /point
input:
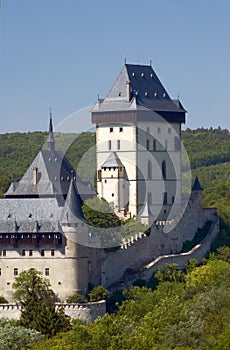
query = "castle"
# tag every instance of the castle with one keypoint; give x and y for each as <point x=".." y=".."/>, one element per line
<point x="138" y="151"/>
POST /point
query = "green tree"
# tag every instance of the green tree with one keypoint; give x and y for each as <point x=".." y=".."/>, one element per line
<point x="38" y="304"/>
<point x="76" y="298"/>
<point x="98" y="293"/>
<point x="14" y="337"/>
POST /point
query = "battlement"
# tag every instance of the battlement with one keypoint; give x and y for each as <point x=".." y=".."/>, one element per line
<point x="87" y="312"/>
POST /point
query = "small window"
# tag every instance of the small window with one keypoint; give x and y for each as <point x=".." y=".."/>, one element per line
<point x="154" y="145"/>
<point x="120" y="129"/>
<point x="118" y="144"/>
<point x="105" y="181"/>
<point x="47" y="271"/>
<point x="30" y="252"/>
<point x="42" y="252"/>
<point x="169" y="130"/>
<point x="158" y="130"/>
<point x="112" y="194"/>
<point x="147" y="145"/>
<point x="23" y="252"/>
<point x="173" y="199"/>
<point x="148" y="129"/>
<point x="16" y="272"/>
<point x="4" y="252"/>
<point x="111" y="129"/>
<point x="99" y="175"/>
<point x="0" y="271"/>
<point x="163" y="169"/>
<point x="109" y="145"/>
<point x="52" y="252"/>
<point x="165" y="200"/>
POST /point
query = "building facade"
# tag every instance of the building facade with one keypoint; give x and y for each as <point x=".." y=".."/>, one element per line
<point x="139" y="125"/>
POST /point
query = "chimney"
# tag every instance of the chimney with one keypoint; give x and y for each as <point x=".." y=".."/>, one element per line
<point x="35" y="176"/>
<point x="128" y="91"/>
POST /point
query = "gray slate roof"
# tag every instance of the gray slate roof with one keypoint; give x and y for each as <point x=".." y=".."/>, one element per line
<point x="27" y="215"/>
<point x="147" y="92"/>
<point x="72" y="212"/>
<point x="113" y="161"/>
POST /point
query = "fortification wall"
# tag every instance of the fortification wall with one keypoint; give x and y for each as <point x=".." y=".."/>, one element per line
<point x="87" y="312"/>
<point x="163" y="240"/>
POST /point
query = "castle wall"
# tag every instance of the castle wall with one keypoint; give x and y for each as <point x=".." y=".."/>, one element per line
<point x="164" y="239"/>
<point x="87" y="312"/>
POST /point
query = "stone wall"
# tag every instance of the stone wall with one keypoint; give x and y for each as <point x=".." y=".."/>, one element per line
<point x="198" y="252"/>
<point x="87" y="312"/>
<point x="163" y="240"/>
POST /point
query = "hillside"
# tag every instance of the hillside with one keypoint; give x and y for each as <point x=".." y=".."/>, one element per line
<point x="208" y="150"/>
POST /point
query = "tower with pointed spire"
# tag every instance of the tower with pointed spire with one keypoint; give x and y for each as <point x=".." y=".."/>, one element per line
<point x="141" y="123"/>
<point x="51" y="142"/>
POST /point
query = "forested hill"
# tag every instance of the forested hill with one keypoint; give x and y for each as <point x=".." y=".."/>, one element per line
<point x="208" y="150"/>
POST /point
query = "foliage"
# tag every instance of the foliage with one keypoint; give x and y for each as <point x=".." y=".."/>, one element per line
<point x="98" y="293"/>
<point x="14" y="337"/>
<point x="76" y="298"/>
<point x="38" y="304"/>
<point x="165" y="318"/>
<point x="3" y="300"/>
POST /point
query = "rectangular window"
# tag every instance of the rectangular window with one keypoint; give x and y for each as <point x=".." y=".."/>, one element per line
<point x="30" y="252"/>
<point x="15" y="272"/>
<point x="149" y="198"/>
<point x="169" y="130"/>
<point x="154" y="145"/>
<point x="23" y="252"/>
<point x="165" y="200"/>
<point x="118" y="144"/>
<point x="42" y="252"/>
<point x="47" y="271"/>
<point x="120" y="129"/>
<point x="111" y="129"/>
<point x="52" y="252"/>
<point x="4" y="252"/>
<point x="0" y="271"/>
<point x="148" y="129"/>
<point x="109" y="145"/>
<point x="158" y="130"/>
<point x="147" y="145"/>
<point x="99" y="175"/>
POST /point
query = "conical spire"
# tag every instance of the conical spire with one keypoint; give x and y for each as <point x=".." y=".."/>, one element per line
<point x="196" y="186"/>
<point x="72" y="212"/>
<point x="50" y="142"/>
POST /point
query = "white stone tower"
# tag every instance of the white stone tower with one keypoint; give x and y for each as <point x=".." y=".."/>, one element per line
<point x="141" y="123"/>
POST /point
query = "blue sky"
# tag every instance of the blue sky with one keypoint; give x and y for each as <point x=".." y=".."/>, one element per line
<point x="61" y="54"/>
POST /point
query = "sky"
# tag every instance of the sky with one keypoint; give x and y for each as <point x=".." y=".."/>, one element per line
<point x="63" y="53"/>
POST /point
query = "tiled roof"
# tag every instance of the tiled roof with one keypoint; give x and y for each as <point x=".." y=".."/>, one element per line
<point x="72" y="212"/>
<point x="113" y="161"/>
<point x="147" y="92"/>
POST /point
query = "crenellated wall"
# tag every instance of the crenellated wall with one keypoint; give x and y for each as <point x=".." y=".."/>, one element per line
<point x="87" y="312"/>
<point x="166" y="238"/>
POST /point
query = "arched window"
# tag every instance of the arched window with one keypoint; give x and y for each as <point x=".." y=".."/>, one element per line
<point x="149" y="170"/>
<point x="163" y="169"/>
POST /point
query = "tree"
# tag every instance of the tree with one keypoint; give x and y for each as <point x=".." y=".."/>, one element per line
<point x="76" y="298"/>
<point x="98" y="293"/>
<point x="38" y="304"/>
<point x="15" y="337"/>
